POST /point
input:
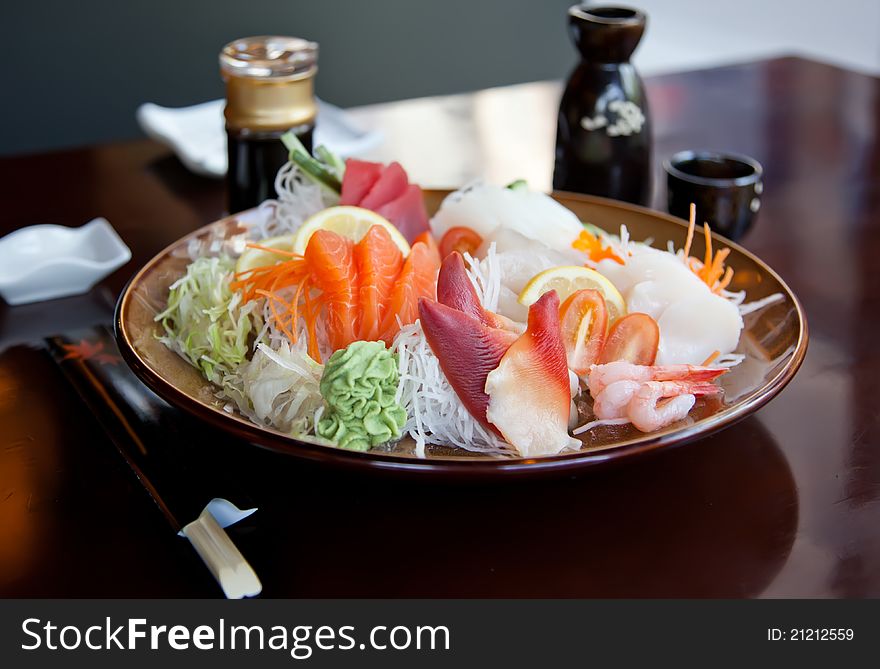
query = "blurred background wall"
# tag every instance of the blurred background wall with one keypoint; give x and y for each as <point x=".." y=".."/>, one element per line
<point x="82" y="67"/>
<point x="76" y="71"/>
<point x="690" y="34"/>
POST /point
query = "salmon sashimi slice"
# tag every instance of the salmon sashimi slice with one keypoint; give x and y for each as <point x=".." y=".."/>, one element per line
<point x="416" y="280"/>
<point x="529" y="391"/>
<point x="428" y="240"/>
<point x="467" y="351"/>
<point x="455" y="289"/>
<point x="378" y="261"/>
<point x="333" y="271"/>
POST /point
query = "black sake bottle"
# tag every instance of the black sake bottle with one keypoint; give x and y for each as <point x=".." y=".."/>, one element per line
<point x="603" y="139"/>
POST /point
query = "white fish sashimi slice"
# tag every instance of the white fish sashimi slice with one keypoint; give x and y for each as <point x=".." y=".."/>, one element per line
<point x="509" y="306"/>
<point x="694" y="328"/>
<point x="516" y="269"/>
<point x="519" y="267"/>
<point x="655" y="296"/>
<point x="649" y="264"/>
<point x="507" y="240"/>
<point x="485" y="207"/>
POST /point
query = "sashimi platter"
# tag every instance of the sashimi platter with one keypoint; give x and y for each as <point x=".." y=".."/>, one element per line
<point x="358" y="316"/>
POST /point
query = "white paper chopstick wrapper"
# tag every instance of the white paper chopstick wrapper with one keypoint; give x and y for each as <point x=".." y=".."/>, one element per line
<point x="197" y="134"/>
<point x="235" y="576"/>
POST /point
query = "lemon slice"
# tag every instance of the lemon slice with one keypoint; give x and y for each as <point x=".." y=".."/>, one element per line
<point x="351" y="222"/>
<point x="566" y="280"/>
<point x="253" y="258"/>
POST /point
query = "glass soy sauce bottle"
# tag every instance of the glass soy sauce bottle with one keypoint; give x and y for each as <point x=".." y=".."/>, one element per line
<point x="269" y="91"/>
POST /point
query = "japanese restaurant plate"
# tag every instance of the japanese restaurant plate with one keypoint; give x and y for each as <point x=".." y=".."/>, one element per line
<point x="774" y="342"/>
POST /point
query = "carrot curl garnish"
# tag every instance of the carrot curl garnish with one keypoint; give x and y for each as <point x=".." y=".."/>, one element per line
<point x="711" y="270"/>
<point x="270" y="277"/>
<point x="277" y="252"/>
<point x="592" y="246"/>
<point x="708" y="361"/>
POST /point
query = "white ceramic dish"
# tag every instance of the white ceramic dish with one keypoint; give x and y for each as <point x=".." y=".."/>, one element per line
<point x="43" y="262"/>
<point x="196" y="134"/>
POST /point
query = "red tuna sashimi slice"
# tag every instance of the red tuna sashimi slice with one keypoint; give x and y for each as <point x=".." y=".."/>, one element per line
<point x="390" y="185"/>
<point x="529" y="392"/>
<point x="360" y="176"/>
<point x="455" y="289"/>
<point x="467" y="351"/>
<point x="407" y="212"/>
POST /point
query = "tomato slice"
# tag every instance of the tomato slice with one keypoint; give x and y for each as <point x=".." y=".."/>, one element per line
<point x="461" y="239"/>
<point x="634" y="338"/>
<point x="584" y="320"/>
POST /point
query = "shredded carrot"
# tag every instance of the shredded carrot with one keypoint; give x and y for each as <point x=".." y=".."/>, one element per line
<point x="278" y="318"/>
<point x="708" y="361"/>
<point x="707" y="261"/>
<point x="592" y="246"/>
<point x="311" y="318"/>
<point x="271" y="277"/>
<point x="298" y="292"/>
<point x="692" y="222"/>
<point x="277" y="252"/>
<point x="711" y="270"/>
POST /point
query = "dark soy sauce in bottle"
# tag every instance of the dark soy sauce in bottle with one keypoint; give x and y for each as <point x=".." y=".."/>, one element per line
<point x="603" y="140"/>
<point x="269" y="91"/>
<point x="254" y="161"/>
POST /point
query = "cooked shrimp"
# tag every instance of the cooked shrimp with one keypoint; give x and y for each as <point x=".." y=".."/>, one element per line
<point x="646" y="411"/>
<point x="604" y="375"/>
<point x="614" y="399"/>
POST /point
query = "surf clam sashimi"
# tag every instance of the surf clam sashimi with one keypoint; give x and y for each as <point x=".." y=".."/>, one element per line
<point x="529" y="392"/>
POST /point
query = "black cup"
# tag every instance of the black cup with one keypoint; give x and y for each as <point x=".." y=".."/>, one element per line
<point x="725" y="187"/>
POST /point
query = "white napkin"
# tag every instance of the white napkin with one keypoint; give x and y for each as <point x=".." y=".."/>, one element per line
<point x="197" y="135"/>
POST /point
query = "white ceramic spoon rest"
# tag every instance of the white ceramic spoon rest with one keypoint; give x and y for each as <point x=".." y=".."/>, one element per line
<point x="43" y="262"/>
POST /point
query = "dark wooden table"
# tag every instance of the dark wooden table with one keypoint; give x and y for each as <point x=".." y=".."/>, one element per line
<point x="783" y="504"/>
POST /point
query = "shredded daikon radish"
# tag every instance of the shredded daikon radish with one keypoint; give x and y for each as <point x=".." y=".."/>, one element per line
<point x="273" y="336"/>
<point x="625" y="249"/>
<point x="298" y="199"/>
<point x="596" y="423"/>
<point x="750" y="307"/>
<point x="486" y="276"/>
<point x="728" y="360"/>
<point x="435" y="414"/>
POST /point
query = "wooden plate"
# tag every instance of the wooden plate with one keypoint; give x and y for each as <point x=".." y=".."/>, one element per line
<point x="774" y="342"/>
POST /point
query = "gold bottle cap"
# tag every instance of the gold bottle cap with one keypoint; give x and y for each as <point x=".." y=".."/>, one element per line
<point x="269" y="82"/>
